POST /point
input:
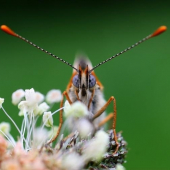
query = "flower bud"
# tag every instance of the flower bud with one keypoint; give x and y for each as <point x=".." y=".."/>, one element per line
<point x="48" y="119"/>
<point x="53" y="96"/>
<point x="5" y="128"/>
<point x="77" y="109"/>
<point x="17" y="96"/>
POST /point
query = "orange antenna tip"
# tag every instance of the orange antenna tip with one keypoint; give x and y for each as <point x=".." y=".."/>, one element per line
<point x="160" y="30"/>
<point x="8" y="30"/>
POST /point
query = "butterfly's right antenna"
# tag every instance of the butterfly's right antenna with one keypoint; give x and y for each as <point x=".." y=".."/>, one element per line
<point x="9" y="31"/>
<point x="157" y="32"/>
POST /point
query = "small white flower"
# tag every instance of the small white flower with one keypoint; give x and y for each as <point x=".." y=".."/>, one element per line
<point x="43" y="107"/>
<point x="23" y="106"/>
<point x="1" y="101"/>
<point x="66" y="106"/>
<point x="48" y="119"/>
<point x="120" y="167"/>
<point x="31" y="102"/>
<point x="30" y="97"/>
<point x="72" y="161"/>
<point x="54" y="96"/>
<point x="21" y="113"/>
<point x="5" y="128"/>
<point x="84" y="127"/>
<point x="39" y="97"/>
<point x="77" y="109"/>
<point x="95" y="149"/>
<point x="17" y="96"/>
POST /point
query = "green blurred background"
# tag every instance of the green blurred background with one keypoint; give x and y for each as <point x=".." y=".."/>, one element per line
<point x="139" y="79"/>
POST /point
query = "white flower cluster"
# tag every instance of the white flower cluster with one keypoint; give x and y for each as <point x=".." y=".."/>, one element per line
<point x="53" y="96"/>
<point x="34" y="100"/>
<point x="86" y="144"/>
<point x="32" y="106"/>
<point x="92" y="151"/>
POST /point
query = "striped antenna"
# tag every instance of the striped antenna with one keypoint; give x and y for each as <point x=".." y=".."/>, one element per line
<point x="157" y="32"/>
<point x="9" y="31"/>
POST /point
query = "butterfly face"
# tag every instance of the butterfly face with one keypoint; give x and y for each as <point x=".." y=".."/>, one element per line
<point x="83" y="80"/>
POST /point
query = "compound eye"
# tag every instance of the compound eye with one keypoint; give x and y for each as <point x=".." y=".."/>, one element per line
<point x="76" y="81"/>
<point x="92" y="81"/>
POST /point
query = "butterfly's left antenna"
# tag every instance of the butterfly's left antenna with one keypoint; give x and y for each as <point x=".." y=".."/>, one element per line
<point x="9" y="31"/>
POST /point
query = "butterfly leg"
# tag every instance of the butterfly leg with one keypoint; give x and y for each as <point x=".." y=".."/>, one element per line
<point x="113" y="115"/>
<point x="61" y="116"/>
<point x="67" y="97"/>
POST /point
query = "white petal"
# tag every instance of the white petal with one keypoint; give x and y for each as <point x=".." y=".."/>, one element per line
<point x="43" y="107"/>
<point x="21" y="113"/>
<point x="96" y="148"/>
<point x="23" y="106"/>
<point x="120" y="167"/>
<point x="5" y="128"/>
<point x="48" y="119"/>
<point x="53" y="96"/>
<point x="30" y="97"/>
<point x="31" y="102"/>
<point x="17" y="96"/>
<point x="66" y="106"/>
<point x="1" y="101"/>
<point x="84" y="127"/>
<point x="39" y="97"/>
<point x="72" y="161"/>
<point x="77" y="109"/>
